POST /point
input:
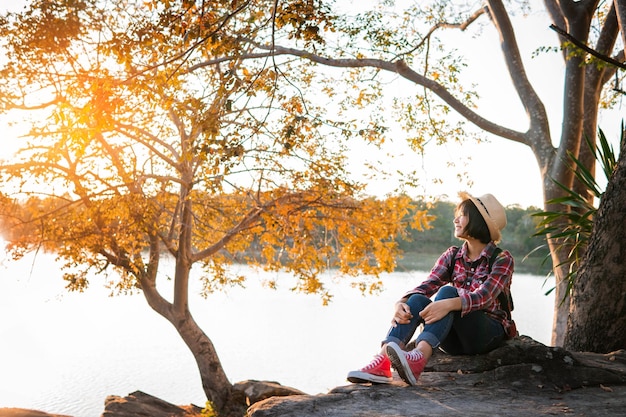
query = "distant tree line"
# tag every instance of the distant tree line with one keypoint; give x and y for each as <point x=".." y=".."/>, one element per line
<point x="421" y="248"/>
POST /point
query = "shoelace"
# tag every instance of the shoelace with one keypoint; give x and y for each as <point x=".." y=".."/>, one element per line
<point x="378" y="359"/>
<point x="414" y="355"/>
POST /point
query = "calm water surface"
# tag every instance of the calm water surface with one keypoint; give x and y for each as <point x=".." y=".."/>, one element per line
<point x="66" y="352"/>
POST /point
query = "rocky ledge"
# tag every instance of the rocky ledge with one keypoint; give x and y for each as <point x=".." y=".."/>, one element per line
<point x="522" y="378"/>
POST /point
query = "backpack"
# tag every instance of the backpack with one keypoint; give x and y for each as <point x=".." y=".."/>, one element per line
<point x="505" y="299"/>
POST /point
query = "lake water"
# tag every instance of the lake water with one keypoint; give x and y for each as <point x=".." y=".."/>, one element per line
<point x="66" y="352"/>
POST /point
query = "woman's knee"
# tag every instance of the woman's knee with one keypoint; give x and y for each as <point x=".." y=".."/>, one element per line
<point x="445" y="292"/>
<point x="417" y="302"/>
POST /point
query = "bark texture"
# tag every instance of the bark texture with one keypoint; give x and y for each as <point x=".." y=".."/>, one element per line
<point x="597" y="320"/>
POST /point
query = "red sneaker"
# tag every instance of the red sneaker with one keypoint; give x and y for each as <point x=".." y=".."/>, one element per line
<point x="377" y="371"/>
<point x="408" y="364"/>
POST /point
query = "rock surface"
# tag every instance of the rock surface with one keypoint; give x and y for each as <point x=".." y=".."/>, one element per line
<point x="255" y="391"/>
<point x="141" y="404"/>
<point x="522" y="378"/>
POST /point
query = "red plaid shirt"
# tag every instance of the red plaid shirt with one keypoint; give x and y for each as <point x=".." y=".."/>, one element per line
<point x="477" y="288"/>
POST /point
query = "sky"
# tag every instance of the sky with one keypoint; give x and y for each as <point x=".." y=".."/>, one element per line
<point x="503" y="168"/>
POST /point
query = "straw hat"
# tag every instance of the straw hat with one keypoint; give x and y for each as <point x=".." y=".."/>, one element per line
<point x="491" y="210"/>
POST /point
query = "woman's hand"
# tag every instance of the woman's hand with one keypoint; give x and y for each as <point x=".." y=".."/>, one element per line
<point x="402" y="314"/>
<point x="437" y="310"/>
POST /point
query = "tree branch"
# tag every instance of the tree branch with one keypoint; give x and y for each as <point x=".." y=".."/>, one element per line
<point x="587" y="49"/>
<point x="538" y="135"/>
<point x="401" y="68"/>
<point x="620" y="9"/>
<point x="462" y="26"/>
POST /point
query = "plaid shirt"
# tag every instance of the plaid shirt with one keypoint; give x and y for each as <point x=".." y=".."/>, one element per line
<point x="477" y="288"/>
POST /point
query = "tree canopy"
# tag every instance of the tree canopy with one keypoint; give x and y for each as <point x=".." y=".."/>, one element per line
<point x="156" y="133"/>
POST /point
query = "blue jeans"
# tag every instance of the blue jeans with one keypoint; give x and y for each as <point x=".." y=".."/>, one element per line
<point x="472" y="334"/>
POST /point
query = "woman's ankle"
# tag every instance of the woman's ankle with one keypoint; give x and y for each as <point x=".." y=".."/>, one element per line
<point x="425" y="348"/>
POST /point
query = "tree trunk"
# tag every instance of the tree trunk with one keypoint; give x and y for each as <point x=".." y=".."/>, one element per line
<point x="597" y="320"/>
<point x="215" y="384"/>
<point x="214" y="381"/>
<point x="559" y="254"/>
<point x="577" y="17"/>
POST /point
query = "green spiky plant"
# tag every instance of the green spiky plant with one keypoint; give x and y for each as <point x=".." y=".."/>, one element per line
<point x="572" y="228"/>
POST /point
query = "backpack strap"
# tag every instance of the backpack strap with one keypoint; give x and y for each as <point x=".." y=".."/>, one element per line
<point x="505" y="298"/>
<point x="451" y="266"/>
<point x="493" y="257"/>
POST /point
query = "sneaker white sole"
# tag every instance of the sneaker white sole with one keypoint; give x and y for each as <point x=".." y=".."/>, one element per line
<point x="400" y="364"/>
<point x="360" y="377"/>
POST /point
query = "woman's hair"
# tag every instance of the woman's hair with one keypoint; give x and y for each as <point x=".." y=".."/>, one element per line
<point x="476" y="225"/>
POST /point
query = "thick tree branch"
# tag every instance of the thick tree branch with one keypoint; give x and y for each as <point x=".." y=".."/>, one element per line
<point x="556" y="15"/>
<point x="402" y="69"/>
<point x="147" y="281"/>
<point x="538" y="137"/>
<point x="248" y="220"/>
<point x="620" y="8"/>
<point x="8" y="104"/>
